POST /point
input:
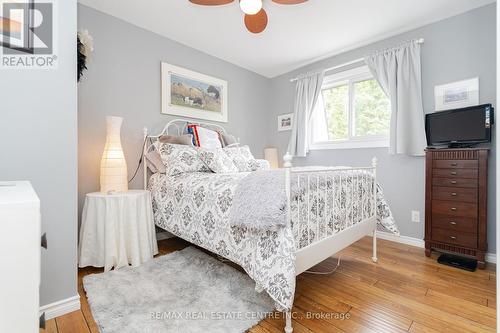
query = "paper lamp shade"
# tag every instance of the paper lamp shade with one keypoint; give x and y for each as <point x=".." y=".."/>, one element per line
<point x="113" y="164"/>
<point x="271" y="155"/>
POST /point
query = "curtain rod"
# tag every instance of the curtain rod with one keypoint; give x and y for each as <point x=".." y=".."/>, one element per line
<point x="419" y="41"/>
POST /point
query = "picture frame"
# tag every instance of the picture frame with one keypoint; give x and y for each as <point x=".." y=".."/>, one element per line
<point x="191" y="94"/>
<point x="455" y="95"/>
<point x="285" y="122"/>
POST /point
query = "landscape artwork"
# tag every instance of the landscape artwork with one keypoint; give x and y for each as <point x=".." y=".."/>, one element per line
<point x="456" y="95"/>
<point x="195" y="94"/>
<point x="191" y="94"/>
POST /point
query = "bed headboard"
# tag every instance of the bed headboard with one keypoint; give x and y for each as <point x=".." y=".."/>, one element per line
<point x="180" y="126"/>
<point x="173" y="127"/>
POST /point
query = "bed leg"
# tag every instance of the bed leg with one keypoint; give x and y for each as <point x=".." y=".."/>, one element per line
<point x="374" y="257"/>
<point x="288" y="319"/>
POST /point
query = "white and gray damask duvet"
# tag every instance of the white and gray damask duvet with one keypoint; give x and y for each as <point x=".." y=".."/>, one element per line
<point x="195" y="207"/>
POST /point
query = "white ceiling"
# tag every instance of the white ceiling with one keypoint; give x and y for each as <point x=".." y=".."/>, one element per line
<point x="296" y="35"/>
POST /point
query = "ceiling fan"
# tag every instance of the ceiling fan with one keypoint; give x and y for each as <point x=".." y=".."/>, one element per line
<point x="255" y="14"/>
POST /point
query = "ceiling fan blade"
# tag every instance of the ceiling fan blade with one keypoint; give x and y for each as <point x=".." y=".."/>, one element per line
<point x="211" y="2"/>
<point x="256" y="23"/>
<point x="289" y="2"/>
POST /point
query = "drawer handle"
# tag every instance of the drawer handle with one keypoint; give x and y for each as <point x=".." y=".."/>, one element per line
<point x="453" y="173"/>
<point x="454" y="164"/>
<point x="453" y="223"/>
<point x="453" y="237"/>
<point x="453" y="181"/>
<point x="453" y="209"/>
<point x="453" y="194"/>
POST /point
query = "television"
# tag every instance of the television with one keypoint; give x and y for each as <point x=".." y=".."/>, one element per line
<point x="464" y="127"/>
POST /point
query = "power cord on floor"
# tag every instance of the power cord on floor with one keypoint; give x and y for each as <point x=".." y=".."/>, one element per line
<point x="325" y="273"/>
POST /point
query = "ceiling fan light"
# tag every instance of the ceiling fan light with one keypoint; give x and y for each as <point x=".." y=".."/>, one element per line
<point x="250" y="7"/>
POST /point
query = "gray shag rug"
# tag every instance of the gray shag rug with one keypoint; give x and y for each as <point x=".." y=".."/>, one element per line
<point x="184" y="291"/>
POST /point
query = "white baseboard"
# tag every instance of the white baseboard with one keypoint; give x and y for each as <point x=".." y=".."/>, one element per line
<point x="490" y="257"/>
<point x="401" y="239"/>
<point x="60" y="308"/>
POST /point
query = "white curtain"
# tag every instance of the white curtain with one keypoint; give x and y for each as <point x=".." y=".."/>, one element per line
<point x="307" y="90"/>
<point x="398" y="71"/>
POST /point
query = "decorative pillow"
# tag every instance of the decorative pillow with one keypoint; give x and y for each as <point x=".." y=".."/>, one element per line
<point x="204" y="137"/>
<point x="154" y="162"/>
<point x="228" y="140"/>
<point x="247" y="154"/>
<point x="180" y="159"/>
<point x="242" y="157"/>
<point x="259" y="165"/>
<point x="217" y="160"/>
<point x="185" y="139"/>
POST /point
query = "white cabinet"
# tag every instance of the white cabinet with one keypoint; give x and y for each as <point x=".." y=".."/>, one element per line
<point x="19" y="257"/>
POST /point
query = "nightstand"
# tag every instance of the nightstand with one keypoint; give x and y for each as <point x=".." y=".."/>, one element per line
<point x="117" y="230"/>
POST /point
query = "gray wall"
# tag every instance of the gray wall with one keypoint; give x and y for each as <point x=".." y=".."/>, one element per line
<point x="38" y="142"/>
<point x="457" y="48"/>
<point x="123" y="79"/>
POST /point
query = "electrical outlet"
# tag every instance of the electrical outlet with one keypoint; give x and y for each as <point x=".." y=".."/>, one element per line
<point x="415" y="216"/>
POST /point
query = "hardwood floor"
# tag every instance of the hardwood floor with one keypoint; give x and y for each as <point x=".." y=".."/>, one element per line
<point x="403" y="292"/>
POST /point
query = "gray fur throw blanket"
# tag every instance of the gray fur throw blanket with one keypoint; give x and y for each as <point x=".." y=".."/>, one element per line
<point x="260" y="201"/>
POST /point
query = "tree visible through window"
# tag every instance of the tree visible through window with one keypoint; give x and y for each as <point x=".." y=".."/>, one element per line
<point x="336" y="109"/>
<point x="351" y="107"/>
<point x="372" y="109"/>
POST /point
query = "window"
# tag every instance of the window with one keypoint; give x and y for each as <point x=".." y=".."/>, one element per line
<point x="352" y="112"/>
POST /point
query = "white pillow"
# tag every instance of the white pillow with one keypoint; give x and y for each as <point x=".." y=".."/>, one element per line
<point x="242" y="157"/>
<point x="204" y="137"/>
<point x="217" y="160"/>
<point x="260" y="165"/>
<point x="180" y="159"/>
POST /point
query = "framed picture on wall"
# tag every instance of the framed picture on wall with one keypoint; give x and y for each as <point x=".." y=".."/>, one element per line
<point x="191" y="94"/>
<point x="285" y="122"/>
<point x="457" y="95"/>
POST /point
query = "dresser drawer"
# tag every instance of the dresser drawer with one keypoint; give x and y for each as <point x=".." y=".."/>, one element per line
<point x="454" y="223"/>
<point x="455" y="194"/>
<point x="451" y="208"/>
<point x="455" y="173"/>
<point x="454" y="182"/>
<point x="455" y="164"/>
<point x="466" y="239"/>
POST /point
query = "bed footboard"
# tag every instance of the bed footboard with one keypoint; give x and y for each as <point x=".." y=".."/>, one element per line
<point x="325" y="201"/>
<point x="331" y="204"/>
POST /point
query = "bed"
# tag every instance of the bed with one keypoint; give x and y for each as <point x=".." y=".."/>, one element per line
<point x="327" y="209"/>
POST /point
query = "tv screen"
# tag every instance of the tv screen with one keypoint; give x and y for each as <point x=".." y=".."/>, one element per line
<point x="461" y="126"/>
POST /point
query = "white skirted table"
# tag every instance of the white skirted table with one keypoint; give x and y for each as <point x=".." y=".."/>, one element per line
<point x="117" y="230"/>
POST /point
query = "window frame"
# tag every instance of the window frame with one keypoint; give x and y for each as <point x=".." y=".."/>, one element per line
<point x="348" y="77"/>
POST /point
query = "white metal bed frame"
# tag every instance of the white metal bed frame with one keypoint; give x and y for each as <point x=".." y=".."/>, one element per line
<point x="322" y="246"/>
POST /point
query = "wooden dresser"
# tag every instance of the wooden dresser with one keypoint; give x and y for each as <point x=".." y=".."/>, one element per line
<point x="456" y="202"/>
